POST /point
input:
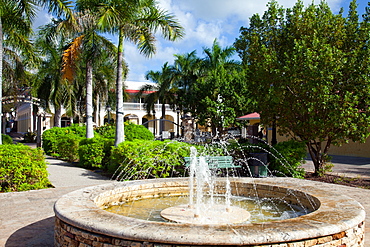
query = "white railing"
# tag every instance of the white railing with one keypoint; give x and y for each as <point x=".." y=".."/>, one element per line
<point x="140" y="106"/>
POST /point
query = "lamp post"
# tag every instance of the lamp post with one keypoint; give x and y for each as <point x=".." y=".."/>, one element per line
<point x="155" y="123"/>
<point x="178" y="122"/>
<point x="109" y="110"/>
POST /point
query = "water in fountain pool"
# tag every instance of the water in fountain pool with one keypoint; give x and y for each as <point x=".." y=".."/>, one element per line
<point x="201" y="206"/>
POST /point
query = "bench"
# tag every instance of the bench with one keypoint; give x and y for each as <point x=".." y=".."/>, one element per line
<point x="215" y="162"/>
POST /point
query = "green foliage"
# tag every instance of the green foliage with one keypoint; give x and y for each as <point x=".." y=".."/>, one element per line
<point x="148" y="159"/>
<point x="106" y="131"/>
<point x="309" y="69"/>
<point x="223" y="96"/>
<point x="95" y="152"/>
<point x="137" y="132"/>
<point x="132" y="132"/>
<point x="6" y="139"/>
<point x="67" y="146"/>
<point x="22" y="168"/>
<point x="51" y="138"/>
<point x="284" y="159"/>
<point x="287" y="158"/>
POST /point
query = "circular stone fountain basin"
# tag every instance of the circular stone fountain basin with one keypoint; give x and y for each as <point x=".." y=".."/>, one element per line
<point x="336" y="220"/>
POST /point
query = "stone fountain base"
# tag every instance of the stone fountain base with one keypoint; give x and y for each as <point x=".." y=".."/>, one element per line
<point x="336" y="221"/>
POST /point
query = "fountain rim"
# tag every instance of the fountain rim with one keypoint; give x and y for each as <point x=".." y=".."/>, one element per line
<point x="335" y="214"/>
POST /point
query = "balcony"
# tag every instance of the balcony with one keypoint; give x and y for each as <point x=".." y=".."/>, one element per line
<point x="140" y="106"/>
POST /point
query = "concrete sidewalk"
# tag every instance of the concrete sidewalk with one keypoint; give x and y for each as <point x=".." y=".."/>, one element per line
<point x="27" y="218"/>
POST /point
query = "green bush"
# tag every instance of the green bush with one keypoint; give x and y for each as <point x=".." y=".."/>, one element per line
<point x="148" y="159"/>
<point x="284" y="159"/>
<point x="132" y="132"/>
<point x="107" y="131"/>
<point x="68" y="147"/>
<point x="22" y="168"/>
<point x="51" y="138"/>
<point x="137" y="132"/>
<point x="287" y="158"/>
<point x="95" y="152"/>
<point x="6" y="139"/>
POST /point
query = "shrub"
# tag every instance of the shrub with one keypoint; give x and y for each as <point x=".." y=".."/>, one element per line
<point x="287" y="158"/>
<point x="22" y="168"/>
<point x="137" y="132"/>
<point x="132" y="132"/>
<point x="95" y="152"/>
<point x="6" y="139"/>
<point x="148" y="159"/>
<point x="284" y="159"/>
<point x="51" y="138"/>
<point x="107" y="131"/>
<point x="67" y="146"/>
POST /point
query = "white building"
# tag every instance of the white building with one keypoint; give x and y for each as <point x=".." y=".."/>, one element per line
<point x="134" y="111"/>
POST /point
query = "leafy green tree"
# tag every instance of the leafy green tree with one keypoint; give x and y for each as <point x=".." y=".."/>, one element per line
<point x="222" y="97"/>
<point x="137" y="21"/>
<point x="309" y="69"/>
<point x="164" y="91"/>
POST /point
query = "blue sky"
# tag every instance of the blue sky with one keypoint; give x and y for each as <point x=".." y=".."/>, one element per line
<point x="204" y="21"/>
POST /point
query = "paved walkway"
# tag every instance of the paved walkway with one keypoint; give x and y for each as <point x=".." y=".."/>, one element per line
<point x="27" y="218"/>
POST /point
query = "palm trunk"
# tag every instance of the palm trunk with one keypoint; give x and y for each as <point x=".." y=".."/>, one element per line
<point x="89" y="101"/>
<point x="1" y="76"/>
<point x="58" y="116"/>
<point x="120" y="131"/>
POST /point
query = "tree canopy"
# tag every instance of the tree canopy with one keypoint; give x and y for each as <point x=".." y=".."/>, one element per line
<point x="310" y="71"/>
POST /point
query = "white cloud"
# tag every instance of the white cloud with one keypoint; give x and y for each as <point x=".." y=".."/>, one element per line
<point x="42" y="18"/>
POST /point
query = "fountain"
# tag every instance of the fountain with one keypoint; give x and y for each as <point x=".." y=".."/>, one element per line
<point x="332" y="219"/>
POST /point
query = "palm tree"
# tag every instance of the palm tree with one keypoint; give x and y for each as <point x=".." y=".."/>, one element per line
<point x="187" y="68"/>
<point x="218" y="56"/>
<point x="164" y="91"/>
<point x="50" y="87"/>
<point x="88" y="46"/>
<point x="136" y="21"/>
<point x="16" y="25"/>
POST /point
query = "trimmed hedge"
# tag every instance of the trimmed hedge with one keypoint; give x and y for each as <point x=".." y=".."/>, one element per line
<point x="22" y="168"/>
<point x="95" y="152"/>
<point x="6" y="139"/>
<point x="132" y="132"/>
<point x="148" y="159"/>
<point x="51" y="138"/>
<point x="137" y="132"/>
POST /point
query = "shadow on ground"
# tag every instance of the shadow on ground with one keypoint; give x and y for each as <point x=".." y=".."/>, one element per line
<point x="38" y="234"/>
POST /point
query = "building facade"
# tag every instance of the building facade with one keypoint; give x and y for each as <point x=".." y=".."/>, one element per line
<point x="134" y="111"/>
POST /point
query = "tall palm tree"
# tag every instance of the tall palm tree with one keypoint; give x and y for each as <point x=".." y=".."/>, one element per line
<point x="164" y="91"/>
<point x="136" y="21"/>
<point x="218" y="56"/>
<point x="187" y="68"/>
<point x="16" y="18"/>
<point x="50" y="87"/>
<point x="15" y="27"/>
<point x="89" y="46"/>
